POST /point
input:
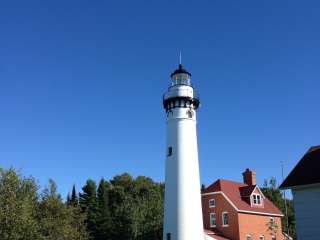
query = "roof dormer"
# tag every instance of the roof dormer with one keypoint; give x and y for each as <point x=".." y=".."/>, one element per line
<point x="252" y="195"/>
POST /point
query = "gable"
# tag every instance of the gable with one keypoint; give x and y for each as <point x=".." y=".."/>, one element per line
<point x="306" y="172"/>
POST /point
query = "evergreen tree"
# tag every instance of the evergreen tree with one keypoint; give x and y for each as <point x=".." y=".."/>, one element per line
<point x="104" y="222"/>
<point x="89" y="205"/>
<point x="74" y="197"/>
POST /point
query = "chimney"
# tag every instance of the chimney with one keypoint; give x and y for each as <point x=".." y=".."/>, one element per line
<point x="249" y="177"/>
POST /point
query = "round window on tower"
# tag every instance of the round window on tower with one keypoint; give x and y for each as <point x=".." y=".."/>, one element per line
<point x="190" y="114"/>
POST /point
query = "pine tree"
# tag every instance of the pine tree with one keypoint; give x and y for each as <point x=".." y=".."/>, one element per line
<point x="74" y="197"/>
<point x="89" y="205"/>
<point x="104" y="222"/>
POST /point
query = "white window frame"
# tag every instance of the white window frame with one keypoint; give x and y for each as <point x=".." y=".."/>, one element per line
<point x="273" y="237"/>
<point x="255" y="197"/>
<point x="249" y="237"/>
<point x="261" y="237"/>
<point x="214" y="203"/>
<point x="213" y="215"/>
<point x="225" y="225"/>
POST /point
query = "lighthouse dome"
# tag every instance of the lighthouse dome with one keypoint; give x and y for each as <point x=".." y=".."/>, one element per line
<point x="180" y="70"/>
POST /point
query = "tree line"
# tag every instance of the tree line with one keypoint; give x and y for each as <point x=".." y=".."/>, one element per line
<point x="124" y="208"/>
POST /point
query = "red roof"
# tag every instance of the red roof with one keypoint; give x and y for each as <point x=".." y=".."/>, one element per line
<point x="238" y="193"/>
<point x="246" y="191"/>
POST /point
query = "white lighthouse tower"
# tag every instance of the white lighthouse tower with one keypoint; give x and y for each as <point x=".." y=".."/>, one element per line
<point x="182" y="213"/>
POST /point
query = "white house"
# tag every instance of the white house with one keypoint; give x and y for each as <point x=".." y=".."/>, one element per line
<point x="304" y="181"/>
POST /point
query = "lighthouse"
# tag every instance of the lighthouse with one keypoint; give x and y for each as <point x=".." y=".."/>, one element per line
<point x="182" y="210"/>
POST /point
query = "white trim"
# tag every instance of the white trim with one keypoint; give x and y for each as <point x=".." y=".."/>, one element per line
<point x="215" y="218"/>
<point x="214" y="201"/>
<point x="223" y="213"/>
<point x="261" y="213"/>
<point x="238" y="210"/>
<point x="261" y="193"/>
<point x="250" y="236"/>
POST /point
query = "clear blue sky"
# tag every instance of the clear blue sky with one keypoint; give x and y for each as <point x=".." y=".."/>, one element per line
<point x="81" y="85"/>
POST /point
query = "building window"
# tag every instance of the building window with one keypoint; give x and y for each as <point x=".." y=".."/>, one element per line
<point x="212" y="203"/>
<point x="261" y="237"/>
<point x="273" y="238"/>
<point x="213" y="221"/>
<point x="249" y="237"/>
<point x="256" y="199"/>
<point x="225" y="219"/>
<point x="169" y="153"/>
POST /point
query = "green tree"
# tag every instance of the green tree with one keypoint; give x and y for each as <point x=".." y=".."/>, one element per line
<point x="122" y="206"/>
<point x="149" y="210"/>
<point x="89" y="205"/>
<point x="73" y="198"/>
<point x="273" y="193"/>
<point x="58" y="220"/>
<point x="136" y="207"/>
<point x="104" y="221"/>
<point x="18" y="207"/>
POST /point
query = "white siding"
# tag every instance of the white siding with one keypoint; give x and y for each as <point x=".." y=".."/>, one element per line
<point x="307" y="208"/>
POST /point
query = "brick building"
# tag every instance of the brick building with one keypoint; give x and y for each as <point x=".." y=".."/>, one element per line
<point x="240" y="211"/>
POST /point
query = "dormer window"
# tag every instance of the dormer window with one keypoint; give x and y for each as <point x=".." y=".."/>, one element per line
<point x="256" y="199"/>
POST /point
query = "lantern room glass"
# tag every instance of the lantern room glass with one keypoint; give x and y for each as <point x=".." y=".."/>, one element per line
<point x="181" y="79"/>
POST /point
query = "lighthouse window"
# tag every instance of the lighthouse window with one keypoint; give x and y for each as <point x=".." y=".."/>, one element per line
<point x="189" y="114"/>
<point x="169" y="153"/>
<point x="168" y="236"/>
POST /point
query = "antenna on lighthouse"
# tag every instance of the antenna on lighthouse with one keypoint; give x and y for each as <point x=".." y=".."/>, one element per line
<point x="180" y="61"/>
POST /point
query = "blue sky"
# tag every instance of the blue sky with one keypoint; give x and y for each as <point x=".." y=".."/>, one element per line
<point x="81" y="85"/>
